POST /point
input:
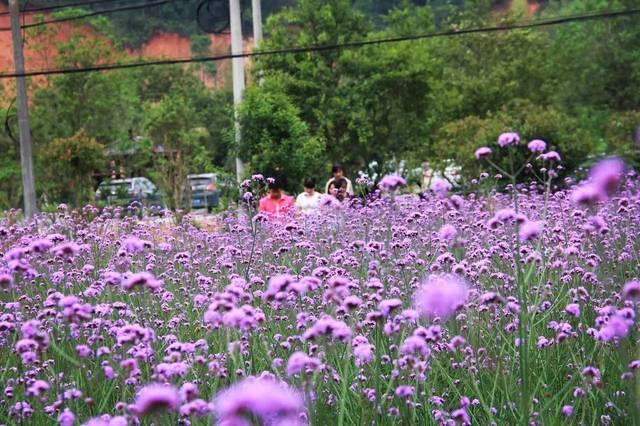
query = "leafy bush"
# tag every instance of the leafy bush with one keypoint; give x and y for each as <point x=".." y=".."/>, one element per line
<point x="79" y="156"/>
<point x="459" y="139"/>
<point x="276" y="141"/>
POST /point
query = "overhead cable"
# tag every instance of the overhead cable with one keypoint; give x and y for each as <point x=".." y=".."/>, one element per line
<point x="60" y="6"/>
<point x="326" y="47"/>
<point x="90" y="14"/>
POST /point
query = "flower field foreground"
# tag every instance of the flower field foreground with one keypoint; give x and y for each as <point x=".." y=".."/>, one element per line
<point x="485" y="309"/>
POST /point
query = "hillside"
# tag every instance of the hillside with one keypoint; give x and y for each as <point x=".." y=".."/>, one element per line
<point x="39" y="55"/>
<point x="169" y="31"/>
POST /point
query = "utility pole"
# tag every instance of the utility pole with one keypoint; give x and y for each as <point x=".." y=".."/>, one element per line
<point x="26" y="155"/>
<point x="238" y="76"/>
<point x="256" y="9"/>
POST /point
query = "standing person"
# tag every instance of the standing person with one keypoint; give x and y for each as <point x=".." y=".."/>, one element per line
<point x="338" y="173"/>
<point x="338" y="189"/>
<point x="309" y="200"/>
<point x="276" y="202"/>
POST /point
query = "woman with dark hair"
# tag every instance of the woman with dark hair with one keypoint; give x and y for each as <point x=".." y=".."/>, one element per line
<point x="338" y="189"/>
<point x="276" y="202"/>
<point x="309" y="200"/>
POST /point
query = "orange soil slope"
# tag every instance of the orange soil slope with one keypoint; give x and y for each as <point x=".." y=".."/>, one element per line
<point x="163" y="45"/>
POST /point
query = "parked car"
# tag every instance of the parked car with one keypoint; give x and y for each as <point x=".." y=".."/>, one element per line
<point x="122" y="192"/>
<point x="204" y="191"/>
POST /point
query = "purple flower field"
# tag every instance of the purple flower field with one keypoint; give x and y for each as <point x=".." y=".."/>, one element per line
<point x="446" y="309"/>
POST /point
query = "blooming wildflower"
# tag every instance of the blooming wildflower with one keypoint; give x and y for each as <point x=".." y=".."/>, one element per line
<point x="298" y="361"/>
<point x="278" y="284"/>
<point x="257" y="178"/>
<point x="66" y="418"/>
<point x="529" y="230"/>
<point x="415" y="344"/>
<point x="508" y="138"/>
<point x="328" y="326"/>
<point x="482" y="152"/>
<point x="107" y="420"/>
<point x="15" y="253"/>
<point x="440" y="187"/>
<point x="404" y="391"/>
<point x="188" y="391"/>
<point x="631" y="290"/>
<point x="133" y="244"/>
<point x="604" y="178"/>
<point x="550" y="156"/>
<point x="269" y="400"/>
<point x="573" y="309"/>
<point x="6" y="280"/>
<point x="537" y="145"/>
<point x="447" y="232"/>
<point x="505" y="215"/>
<point x="392" y="182"/>
<point x="440" y="296"/>
<point x="40" y="245"/>
<point x="617" y="326"/>
<point x="607" y="174"/>
<point x="456" y="201"/>
<point x="155" y="398"/>
<point x="37" y="388"/>
<point x="587" y="194"/>
<point x="351" y="302"/>
<point x="388" y="305"/>
<point x="363" y="353"/>
<point x="144" y="279"/>
<point x="567" y="410"/>
<point x="69" y="249"/>
<point x="197" y="407"/>
<point x="491" y="297"/>
<point x="461" y="416"/>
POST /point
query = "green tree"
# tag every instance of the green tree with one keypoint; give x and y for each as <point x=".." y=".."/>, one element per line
<point x="178" y="145"/>
<point x="367" y="104"/>
<point x="459" y="139"/>
<point x="102" y="104"/>
<point x="313" y="81"/>
<point x="276" y="141"/>
<point x="79" y="156"/>
<point x="597" y="62"/>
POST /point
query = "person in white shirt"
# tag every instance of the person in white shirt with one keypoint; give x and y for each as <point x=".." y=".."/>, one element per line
<point x="338" y="173"/>
<point x="308" y="201"/>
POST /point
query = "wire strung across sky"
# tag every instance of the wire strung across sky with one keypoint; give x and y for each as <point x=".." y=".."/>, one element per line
<point x="61" y="6"/>
<point x="90" y="14"/>
<point x="347" y="45"/>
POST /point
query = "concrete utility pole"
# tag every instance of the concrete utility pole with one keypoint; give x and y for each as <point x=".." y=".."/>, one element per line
<point x="26" y="156"/>
<point x="238" y="75"/>
<point x="256" y="8"/>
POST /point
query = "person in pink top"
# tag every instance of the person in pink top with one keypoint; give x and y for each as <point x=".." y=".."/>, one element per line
<point x="276" y="202"/>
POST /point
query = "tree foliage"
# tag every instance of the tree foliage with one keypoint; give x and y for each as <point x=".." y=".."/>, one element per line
<point x="438" y="99"/>
<point x="79" y="156"/>
<point x="276" y="141"/>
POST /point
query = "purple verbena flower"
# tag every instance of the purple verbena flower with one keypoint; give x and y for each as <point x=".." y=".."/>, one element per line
<point x="440" y="296"/>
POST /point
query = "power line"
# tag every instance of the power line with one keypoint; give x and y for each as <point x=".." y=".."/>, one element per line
<point x="60" y="6"/>
<point x="88" y="15"/>
<point x="319" y="48"/>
